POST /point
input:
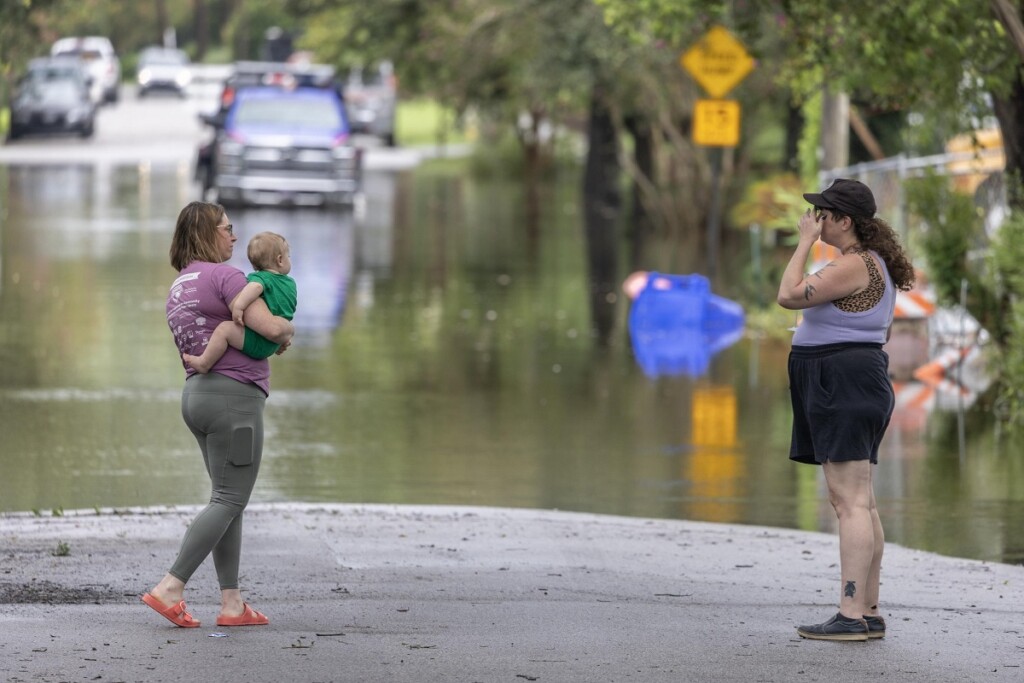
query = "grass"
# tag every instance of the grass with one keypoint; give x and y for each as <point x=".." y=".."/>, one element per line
<point x="424" y="122"/>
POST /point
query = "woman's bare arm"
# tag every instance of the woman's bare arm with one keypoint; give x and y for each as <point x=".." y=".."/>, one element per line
<point x="274" y="328"/>
<point x="844" y="276"/>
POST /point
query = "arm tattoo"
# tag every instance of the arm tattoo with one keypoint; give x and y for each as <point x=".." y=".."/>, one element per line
<point x="851" y="589"/>
<point x="809" y="289"/>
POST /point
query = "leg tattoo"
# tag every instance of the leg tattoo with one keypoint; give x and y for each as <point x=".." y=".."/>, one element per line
<point x="851" y="589"/>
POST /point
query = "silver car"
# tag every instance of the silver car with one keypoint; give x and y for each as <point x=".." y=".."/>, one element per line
<point x="370" y="97"/>
<point x="163" y="69"/>
<point x="52" y="97"/>
<point x="103" y="64"/>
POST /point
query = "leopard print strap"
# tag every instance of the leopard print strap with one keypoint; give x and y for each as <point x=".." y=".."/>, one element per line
<point x="869" y="297"/>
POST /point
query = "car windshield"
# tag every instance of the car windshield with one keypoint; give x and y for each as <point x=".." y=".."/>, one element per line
<point x="369" y="77"/>
<point x="288" y="113"/>
<point x="61" y="92"/>
<point x="52" y="73"/>
<point x="87" y="55"/>
<point x="164" y="58"/>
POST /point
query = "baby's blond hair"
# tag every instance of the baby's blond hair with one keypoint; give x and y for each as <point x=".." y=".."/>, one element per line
<point x="264" y="248"/>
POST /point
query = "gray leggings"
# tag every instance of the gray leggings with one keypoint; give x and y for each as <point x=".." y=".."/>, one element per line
<point x="226" y="417"/>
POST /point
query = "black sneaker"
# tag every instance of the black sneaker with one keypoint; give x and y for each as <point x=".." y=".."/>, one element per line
<point x="876" y="626"/>
<point x="836" y="628"/>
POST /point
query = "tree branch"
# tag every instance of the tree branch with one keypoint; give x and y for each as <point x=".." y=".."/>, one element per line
<point x="1009" y="17"/>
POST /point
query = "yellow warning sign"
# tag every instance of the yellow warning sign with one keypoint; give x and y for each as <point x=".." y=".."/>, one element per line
<point x="718" y="62"/>
<point x="716" y="123"/>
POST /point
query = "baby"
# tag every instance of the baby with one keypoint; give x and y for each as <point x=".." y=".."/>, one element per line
<point x="270" y="256"/>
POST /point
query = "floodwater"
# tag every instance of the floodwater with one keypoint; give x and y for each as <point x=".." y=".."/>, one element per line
<point x="444" y="356"/>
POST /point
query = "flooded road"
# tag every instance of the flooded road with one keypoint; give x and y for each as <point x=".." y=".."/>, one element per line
<point x="442" y="357"/>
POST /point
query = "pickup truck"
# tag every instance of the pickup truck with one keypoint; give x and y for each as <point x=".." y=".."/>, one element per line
<point x="281" y="137"/>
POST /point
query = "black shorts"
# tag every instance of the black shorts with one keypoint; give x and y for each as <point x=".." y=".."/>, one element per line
<point x="842" y="402"/>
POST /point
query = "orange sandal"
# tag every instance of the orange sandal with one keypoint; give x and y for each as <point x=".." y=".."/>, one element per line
<point x="175" y="613"/>
<point x="249" y="617"/>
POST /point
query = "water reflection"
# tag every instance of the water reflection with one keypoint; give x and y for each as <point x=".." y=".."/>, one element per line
<point x="323" y="254"/>
<point x="444" y="360"/>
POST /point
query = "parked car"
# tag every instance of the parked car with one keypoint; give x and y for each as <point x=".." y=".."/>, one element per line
<point x="53" y="97"/>
<point x="98" y="53"/>
<point x="284" y="146"/>
<point x="371" y="95"/>
<point x="51" y="68"/>
<point x="163" y="69"/>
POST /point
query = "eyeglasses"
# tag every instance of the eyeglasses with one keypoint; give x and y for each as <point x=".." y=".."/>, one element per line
<point x="229" y="228"/>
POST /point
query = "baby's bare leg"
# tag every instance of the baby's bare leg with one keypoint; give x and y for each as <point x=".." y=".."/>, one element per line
<point x="227" y="334"/>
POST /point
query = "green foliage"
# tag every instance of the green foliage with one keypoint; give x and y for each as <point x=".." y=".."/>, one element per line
<point x="952" y="232"/>
<point x="1011" y="370"/>
<point x="810" y="141"/>
<point x="952" y="238"/>
<point x="944" y="59"/>
<point x="62" y="549"/>
<point x="950" y="228"/>
<point x="917" y="51"/>
<point x="678" y="22"/>
<point x="1008" y="280"/>
<point x="20" y="34"/>
<point x="423" y="121"/>
<point x="1006" y="257"/>
<point x="774" y="203"/>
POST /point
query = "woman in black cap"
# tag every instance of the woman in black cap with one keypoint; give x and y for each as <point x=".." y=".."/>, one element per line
<point x="839" y="382"/>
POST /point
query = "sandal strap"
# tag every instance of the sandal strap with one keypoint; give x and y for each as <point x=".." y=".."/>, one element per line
<point x="181" y="612"/>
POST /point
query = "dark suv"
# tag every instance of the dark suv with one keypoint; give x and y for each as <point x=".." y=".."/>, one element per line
<point x="284" y="145"/>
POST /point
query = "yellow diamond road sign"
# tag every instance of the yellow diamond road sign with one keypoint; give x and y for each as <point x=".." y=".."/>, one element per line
<point x="718" y="62"/>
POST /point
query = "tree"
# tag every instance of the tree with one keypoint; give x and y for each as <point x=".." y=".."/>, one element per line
<point x="961" y="56"/>
<point x="20" y="35"/>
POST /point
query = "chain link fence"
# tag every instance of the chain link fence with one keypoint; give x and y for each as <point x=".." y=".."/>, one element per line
<point x="978" y="173"/>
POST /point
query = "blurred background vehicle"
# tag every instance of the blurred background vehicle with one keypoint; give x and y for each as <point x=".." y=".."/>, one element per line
<point x="249" y="74"/>
<point x="53" y="68"/>
<point x="103" y="63"/>
<point x="163" y="69"/>
<point x="370" y="95"/>
<point x="282" y="146"/>
<point x="252" y="74"/>
<point x="53" y="97"/>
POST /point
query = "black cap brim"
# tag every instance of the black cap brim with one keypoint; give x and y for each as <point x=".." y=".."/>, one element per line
<point x="818" y="200"/>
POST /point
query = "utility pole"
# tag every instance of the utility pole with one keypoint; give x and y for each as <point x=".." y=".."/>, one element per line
<point x="835" y="130"/>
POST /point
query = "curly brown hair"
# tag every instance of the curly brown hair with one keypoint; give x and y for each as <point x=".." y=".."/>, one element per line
<point x="878" y="236"/>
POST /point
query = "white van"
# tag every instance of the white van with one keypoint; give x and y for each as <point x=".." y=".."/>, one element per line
<point x="98" y="54"/>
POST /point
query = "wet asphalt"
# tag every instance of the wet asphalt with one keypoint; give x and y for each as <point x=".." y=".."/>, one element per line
<point x="398" y="593"/>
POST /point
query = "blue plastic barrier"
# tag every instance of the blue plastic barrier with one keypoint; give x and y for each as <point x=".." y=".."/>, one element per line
<point x="676" y="325"/>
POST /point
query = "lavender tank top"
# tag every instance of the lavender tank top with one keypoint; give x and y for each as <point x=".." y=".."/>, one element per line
<point x="826" y="324"/>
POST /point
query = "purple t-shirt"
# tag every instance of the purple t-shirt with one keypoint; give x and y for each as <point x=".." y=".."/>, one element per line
<point x="198" y="302"/>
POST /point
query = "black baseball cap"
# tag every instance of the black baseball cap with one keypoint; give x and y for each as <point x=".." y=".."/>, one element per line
<point x="848" y="197"/>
